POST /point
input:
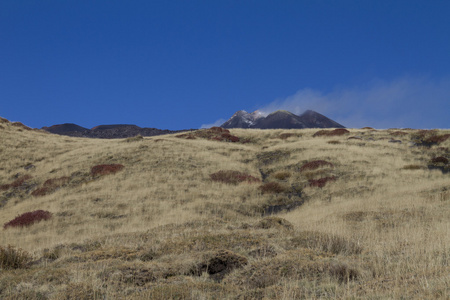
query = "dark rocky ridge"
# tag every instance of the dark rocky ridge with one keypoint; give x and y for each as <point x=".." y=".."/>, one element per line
<point x="115" y="131"/>
<point x="280" y="119"/>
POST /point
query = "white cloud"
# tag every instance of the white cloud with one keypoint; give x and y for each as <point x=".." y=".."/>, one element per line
<point x="417" y="102"/>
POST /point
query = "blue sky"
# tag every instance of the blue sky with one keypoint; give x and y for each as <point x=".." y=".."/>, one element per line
<point x="184" y="64"/>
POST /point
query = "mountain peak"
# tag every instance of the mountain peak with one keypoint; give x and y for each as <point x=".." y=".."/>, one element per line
<point x="279" y="119"/>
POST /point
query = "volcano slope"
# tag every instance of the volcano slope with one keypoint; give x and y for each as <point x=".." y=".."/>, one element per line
<point x="246" y="214"/>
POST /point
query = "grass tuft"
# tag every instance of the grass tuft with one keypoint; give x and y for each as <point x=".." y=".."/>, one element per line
<point x="12" y="258"/>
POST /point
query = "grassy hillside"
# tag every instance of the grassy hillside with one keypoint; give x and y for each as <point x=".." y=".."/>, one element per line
<point x="250" y="214"/>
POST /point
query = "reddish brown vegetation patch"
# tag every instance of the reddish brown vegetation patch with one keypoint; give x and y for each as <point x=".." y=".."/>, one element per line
<point x="335" y="132"/>
<point x="16" y="183"/>
<point x="232" y="177"/>
<point x="321" y="182"/>
<point x="214" y="133"/>
<point x="437" y="139"/>
<point x="272" y="188"/>
<point x="312" y="165"/>
<point x="50" y="186"/>
<point x="28" y="218"/>
<point x="440" y="159"/>
<point x="101" y="170"/>
<point x="398" y="133"/>
<point x="367" y="128"/>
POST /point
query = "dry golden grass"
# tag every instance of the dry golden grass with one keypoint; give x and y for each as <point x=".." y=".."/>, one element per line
<point x="160" y="228"/>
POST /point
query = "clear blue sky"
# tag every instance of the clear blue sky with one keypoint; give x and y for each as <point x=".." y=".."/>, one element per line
<point x="181" y="64"/>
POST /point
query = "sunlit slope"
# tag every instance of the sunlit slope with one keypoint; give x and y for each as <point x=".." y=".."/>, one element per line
<point x="357" y="214"/>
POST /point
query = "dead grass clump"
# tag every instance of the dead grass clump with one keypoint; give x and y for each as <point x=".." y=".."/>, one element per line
<point x="282" y="175"/>
<point x="313" y="165"/>
<point x="333" y="142"/>
<point x="321" y="182"/>
<point x="28" y="218"/>
<point x="16" y="183"/>
<point x="412" y="167"/>
<point x="335" y="132"/>
<point x="439" y="159"/>
<point x="325" y="242"/>
<point x="367" y="128"/>
<point x="272" y="188"/>
<point x="50" y="186"/>
<point x="101" y="170"/>
<point x="232" y="177"/>
<point x="274" y="222"/>
<point x="12" y="258"/>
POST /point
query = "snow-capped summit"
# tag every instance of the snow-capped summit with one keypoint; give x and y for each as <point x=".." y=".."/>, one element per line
<point x="243" y="119"/>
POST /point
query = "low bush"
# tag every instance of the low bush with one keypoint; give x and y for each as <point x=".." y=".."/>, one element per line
<point x="282" y="175"/>
<point x="285" y="136"/>
<point x="12" y="258"/>
<point x="321" y="182"/>
<point x="435" y="140"/>
<point x="50" y="186"/>
<point x="272" y="188"/>
<point x="232" y="177"/>
<point x="313" y="165"/>
<point x="16" y="183"/>
<point x="439" y="159"/>
<point x="28" y="218"/>
<point x="101" y="170"/>
<point x="213" y="133"/>
<point x="412" y="167"/>
<point x="398" y="133"/>
<point x="333" y="142"/>
<point x="335" y="132"/>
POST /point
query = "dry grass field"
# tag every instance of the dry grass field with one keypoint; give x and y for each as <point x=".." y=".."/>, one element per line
<point x="250" y="214"/>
